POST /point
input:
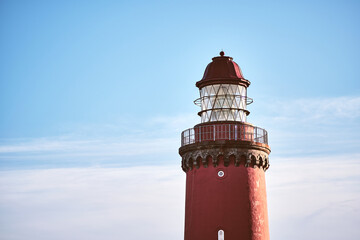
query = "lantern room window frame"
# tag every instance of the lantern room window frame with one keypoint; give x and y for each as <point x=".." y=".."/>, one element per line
<point x="223" y="102"/>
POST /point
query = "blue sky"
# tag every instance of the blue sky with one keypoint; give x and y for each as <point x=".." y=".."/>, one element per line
<point x="98" y="88"/>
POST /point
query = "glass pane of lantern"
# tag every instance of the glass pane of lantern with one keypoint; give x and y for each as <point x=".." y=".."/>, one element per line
<point x="234" y="112"/>
<point x="204" y="117"/>
<point x="214" y="89"/>
<point x="212" y="116"/>
<point x="216" y="102"/>
<point x="226" y="88"/>
<point x="211" y="102"/>
<point x="229" y="101"/>
<point x="221" y="116"/>
<point x="243" y="103"/>
<point x="236" y="115"/>
<point x="218" y="112"/>
<point x="233" y="102"/>
<point x="237" y="102"/>
<point x="221" y="91"/>
<point x="224" y="116"/>
<point x="220" y="101"/>
<point x="231" y="89"/>
<point x="242" y="91"/>
<point x="230" y="116"/>
<point x="242" y="116"/>
<point x="235" y="89"/>
<point x="206" y="102"/>
<point x="207" y="90"/>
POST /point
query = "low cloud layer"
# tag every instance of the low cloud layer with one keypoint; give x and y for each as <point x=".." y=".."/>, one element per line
<point x="310" y="198"/>
<point x="314" y="198"/>
<point x="95" y="203"/>
<point x="311" y="127"/>
<point x="129" y="185"/>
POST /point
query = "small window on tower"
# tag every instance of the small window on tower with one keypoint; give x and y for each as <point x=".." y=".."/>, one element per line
<point x="221" y="234"/>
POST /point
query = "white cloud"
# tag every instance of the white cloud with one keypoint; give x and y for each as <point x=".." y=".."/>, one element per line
<point x="314" y="110"/>
<point x="93" y="203"/>
<point x="157" y="138"/>
<point x="155" y="135"/>
<point x="308" y="198"/>
<point x="314" y="198"/>
<point x="60" y="152"/>
<point x="320" y="126"/>
<point x="335" y="108"/>
<point x="112" y="146"/>
<point x="177" y="123"/>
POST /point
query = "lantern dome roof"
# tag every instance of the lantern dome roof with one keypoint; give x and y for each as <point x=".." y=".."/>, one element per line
<point x="222" y="69"/>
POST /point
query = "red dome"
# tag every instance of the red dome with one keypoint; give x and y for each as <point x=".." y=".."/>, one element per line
<point x="222" y="69"/>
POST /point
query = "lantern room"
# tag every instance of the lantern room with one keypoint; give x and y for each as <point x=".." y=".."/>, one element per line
<point x="223" y="92"/>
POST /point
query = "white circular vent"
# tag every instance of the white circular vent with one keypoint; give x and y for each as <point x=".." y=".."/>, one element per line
<point x="221" y="173"/>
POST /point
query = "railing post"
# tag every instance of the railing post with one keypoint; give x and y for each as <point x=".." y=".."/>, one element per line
<point x="189" y="136"/>
<point x="263" y="134"/>
<point x="200" y="134"/>
<point x="229" y="132"/>
<point x="244" y="130"/>
<point x="193" y="140"/>
<point x="214" y="131"/>
<point x="267" y="139"/>
<point x="235" y="129"/>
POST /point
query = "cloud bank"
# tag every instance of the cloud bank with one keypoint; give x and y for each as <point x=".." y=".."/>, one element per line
<point x="93" y="203"/>
<point x="129" y="184"/>
<point x="307" y="199"/>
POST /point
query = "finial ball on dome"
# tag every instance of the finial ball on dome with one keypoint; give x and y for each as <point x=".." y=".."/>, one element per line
<point x="222" y="53"/>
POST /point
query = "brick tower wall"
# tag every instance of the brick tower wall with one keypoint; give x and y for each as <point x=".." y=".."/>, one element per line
<point x="236" y="202"/>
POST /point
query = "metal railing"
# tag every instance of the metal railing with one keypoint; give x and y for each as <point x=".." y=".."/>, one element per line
<point x="220" y="131"/>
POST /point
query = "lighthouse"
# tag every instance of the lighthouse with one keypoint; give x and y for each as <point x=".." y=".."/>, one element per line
<point x="225" y="159"/>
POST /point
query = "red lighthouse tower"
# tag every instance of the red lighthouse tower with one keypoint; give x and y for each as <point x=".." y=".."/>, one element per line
<point x="225" y="159"/>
